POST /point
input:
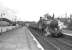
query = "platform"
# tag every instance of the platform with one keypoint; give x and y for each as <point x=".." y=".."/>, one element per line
<point x="20" y="39"/>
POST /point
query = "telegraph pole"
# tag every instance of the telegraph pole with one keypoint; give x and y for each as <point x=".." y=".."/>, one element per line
<point x="53" y="16"/>
<point x="1" y="18"/>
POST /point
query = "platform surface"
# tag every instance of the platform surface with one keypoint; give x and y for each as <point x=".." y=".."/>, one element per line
<point x="19" y="39"/>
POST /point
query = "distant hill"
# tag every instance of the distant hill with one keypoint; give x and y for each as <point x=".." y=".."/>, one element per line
<point x="29" y="22"/>
<point x="24" y="22"/>
<point x="19" y="22"/>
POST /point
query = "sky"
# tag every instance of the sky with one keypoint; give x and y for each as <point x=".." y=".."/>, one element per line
<point x="31" y="10"/>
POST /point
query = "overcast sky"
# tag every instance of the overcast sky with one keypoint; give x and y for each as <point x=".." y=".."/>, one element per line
<point x="31" y="10"/>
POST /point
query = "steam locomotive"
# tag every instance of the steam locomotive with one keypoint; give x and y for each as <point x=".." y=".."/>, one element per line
<point x="44" y="28"/>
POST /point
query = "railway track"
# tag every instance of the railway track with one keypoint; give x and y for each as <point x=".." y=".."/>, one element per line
<point x="50" y="43"/>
